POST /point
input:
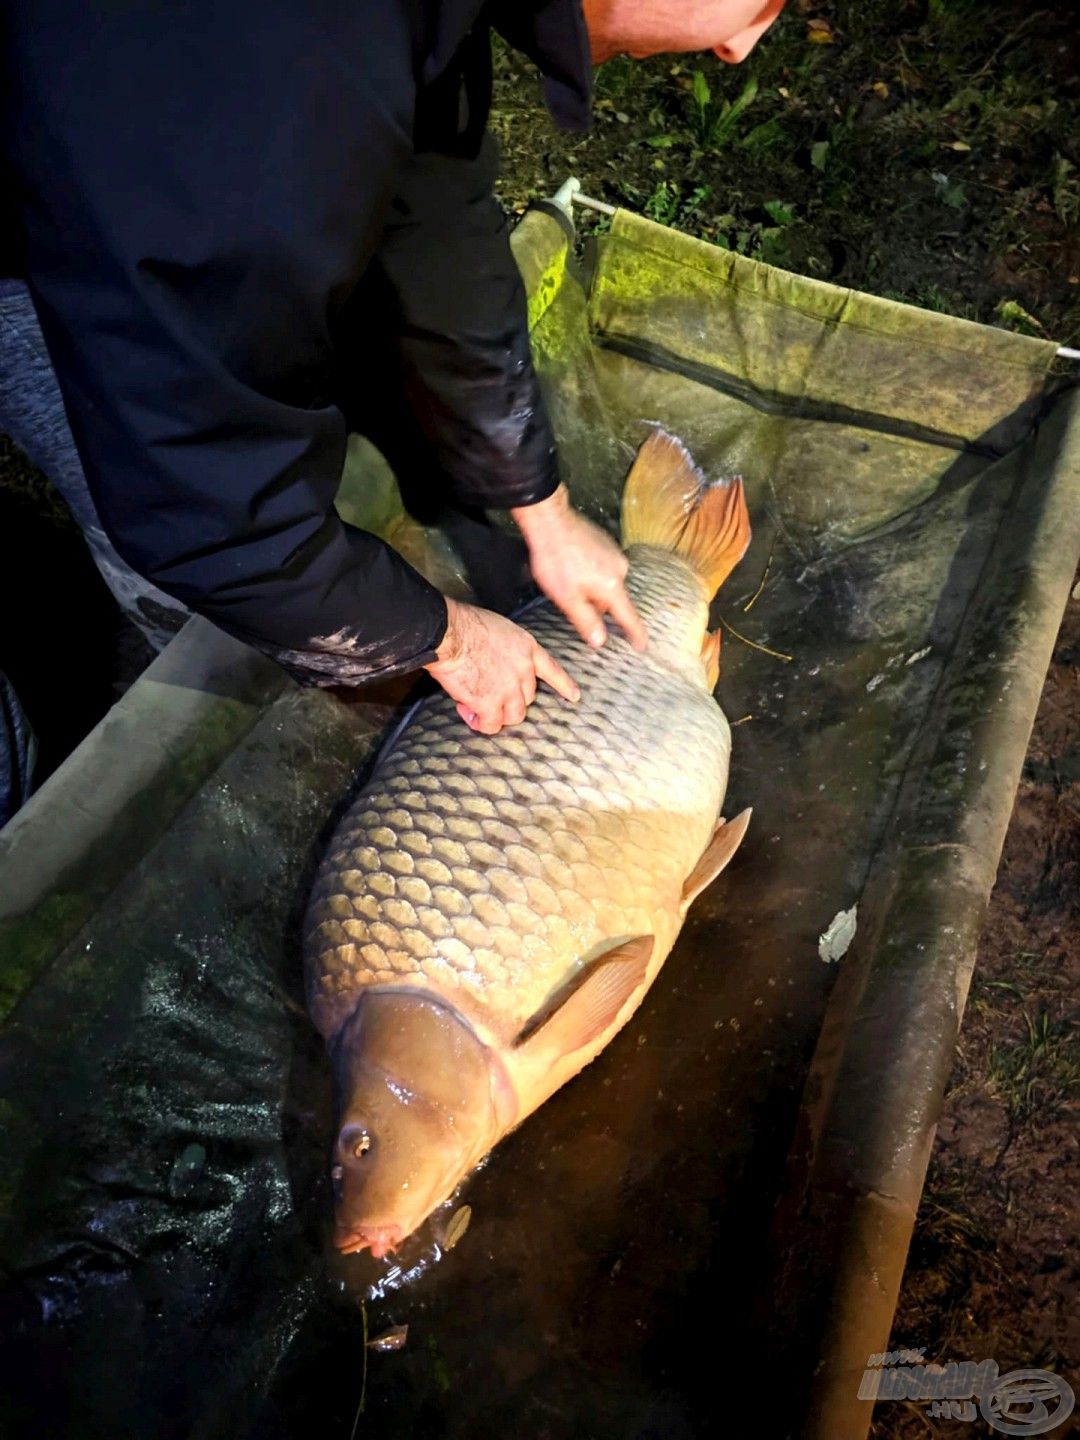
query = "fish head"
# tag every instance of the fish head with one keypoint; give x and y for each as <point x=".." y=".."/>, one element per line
<point x="417" y="1103"/>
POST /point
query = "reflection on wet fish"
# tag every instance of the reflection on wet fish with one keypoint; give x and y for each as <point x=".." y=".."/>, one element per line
<point x="492" y="909"/>
<point x="393" y="1339"/>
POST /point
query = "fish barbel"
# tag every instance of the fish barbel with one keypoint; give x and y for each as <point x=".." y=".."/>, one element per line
<point x="492" y="909"/>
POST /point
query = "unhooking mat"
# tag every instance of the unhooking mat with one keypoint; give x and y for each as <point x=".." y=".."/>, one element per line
<point x="705" y="1231"/>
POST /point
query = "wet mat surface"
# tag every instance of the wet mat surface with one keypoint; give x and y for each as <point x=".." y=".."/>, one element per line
<point x="169" y="1103"/>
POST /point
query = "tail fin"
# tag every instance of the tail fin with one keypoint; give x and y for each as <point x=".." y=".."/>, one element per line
<point x="668" y="502"/>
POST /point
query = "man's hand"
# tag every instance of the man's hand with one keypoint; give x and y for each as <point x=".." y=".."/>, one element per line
<point x="490" y="666"/>
<point x="579" y="568"/>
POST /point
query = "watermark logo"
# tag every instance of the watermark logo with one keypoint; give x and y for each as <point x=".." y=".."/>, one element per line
<point x="1021" y="1402"/>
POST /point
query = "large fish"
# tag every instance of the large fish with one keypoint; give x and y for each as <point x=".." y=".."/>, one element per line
<point x="492" y="909"/>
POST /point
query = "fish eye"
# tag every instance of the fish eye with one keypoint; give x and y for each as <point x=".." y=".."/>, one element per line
<point x="353" y="1142"/>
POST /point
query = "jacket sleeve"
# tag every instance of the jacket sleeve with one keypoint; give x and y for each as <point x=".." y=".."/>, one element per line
<point x="461" y="331"/>
<point x="196" y="205"/>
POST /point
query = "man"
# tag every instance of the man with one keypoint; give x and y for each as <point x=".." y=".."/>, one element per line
<point x="249" y="227"/>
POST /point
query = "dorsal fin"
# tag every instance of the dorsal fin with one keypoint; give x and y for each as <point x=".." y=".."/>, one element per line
<point x="585" y="1008"/>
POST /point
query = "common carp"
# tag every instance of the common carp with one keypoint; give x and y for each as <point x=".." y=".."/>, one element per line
<point x="492" y="909"/>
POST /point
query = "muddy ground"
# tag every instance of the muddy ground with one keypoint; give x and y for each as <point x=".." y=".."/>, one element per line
<point x="926" y="151"/>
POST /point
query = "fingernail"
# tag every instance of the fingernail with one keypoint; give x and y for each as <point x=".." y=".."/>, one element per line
<point x="598" y="636"/>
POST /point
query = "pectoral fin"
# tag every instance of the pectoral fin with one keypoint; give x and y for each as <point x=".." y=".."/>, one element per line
<point x="592" y="1002"/>
<point x="727" y="837"/>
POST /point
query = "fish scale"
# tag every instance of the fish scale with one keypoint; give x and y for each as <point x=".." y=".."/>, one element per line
<point x="488" y="869"/>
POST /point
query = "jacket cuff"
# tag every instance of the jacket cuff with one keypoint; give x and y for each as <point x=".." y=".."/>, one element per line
<point x="524" y="491"/>
<point x="331" y="662"/>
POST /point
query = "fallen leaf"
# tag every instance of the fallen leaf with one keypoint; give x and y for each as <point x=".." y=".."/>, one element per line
<point x="459" y="1223"/>
<point x="955" y="145"/>
<point x="833" y="944"/>
<point x="880" y="89"/>
<point x="820" y="32"/>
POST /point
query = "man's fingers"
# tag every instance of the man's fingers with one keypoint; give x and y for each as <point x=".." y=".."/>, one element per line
<point x="586" y="620"/>
<point x="514" y="710"/>
<point x="483" y="724"/>
<point x="621" y="609"/>
<point x="552" y="673"/>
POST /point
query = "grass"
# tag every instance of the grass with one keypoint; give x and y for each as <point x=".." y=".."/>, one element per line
<point x="928" y="151"/>
<point x="1034" y="1067"/>
<point x="715" y="120"/>
<point x="1038" y="1070"/>
<point x="933" y="297"/>
<point x="949" y="1246"/>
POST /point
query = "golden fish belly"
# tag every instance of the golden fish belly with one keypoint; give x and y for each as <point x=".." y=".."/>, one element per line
<point x="488" y="870"/>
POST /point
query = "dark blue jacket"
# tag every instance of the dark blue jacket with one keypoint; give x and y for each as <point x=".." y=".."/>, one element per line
<point x="227" y="208"/>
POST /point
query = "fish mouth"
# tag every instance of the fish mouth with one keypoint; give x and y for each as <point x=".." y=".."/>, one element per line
<point x="379" y="1239"/>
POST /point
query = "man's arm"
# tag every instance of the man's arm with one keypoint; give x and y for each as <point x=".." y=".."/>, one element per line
<point x="201" y="185"/>
<point x="463" y="345"/>
<point x="459" y="316"/>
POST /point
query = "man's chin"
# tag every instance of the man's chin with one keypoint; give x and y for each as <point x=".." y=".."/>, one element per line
<point x="600" y="54"/>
